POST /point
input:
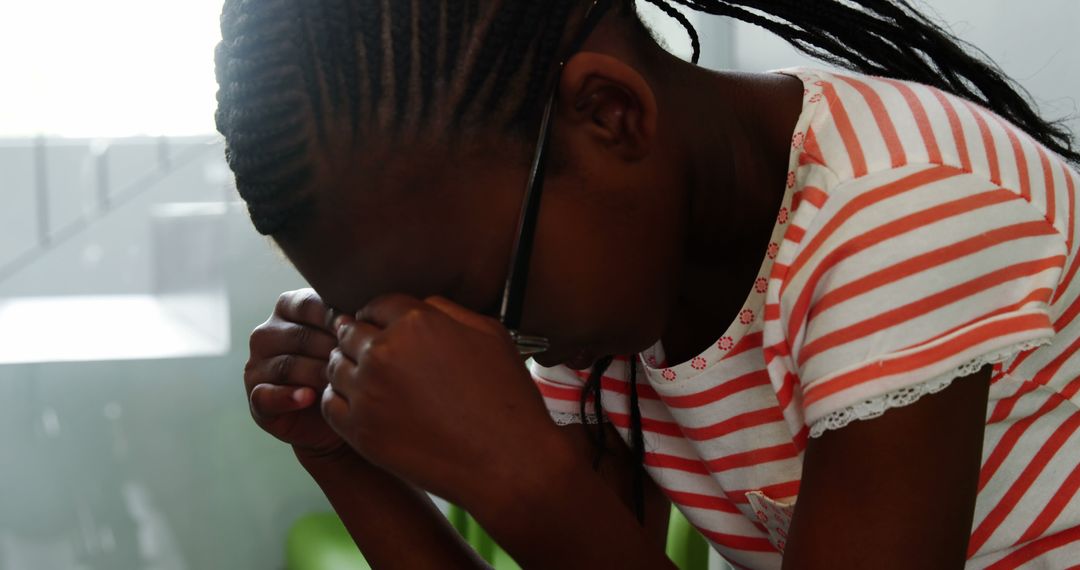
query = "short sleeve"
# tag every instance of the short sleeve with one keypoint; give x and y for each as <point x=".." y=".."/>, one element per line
<point x="561" y="387"/>
<point x="910" y="278"/>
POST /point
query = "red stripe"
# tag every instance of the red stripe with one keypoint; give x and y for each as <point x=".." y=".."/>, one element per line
<point x="647" y="424"/>
<point x="795" y="234"/>
<point x="738" y="542"/>
<point x="915" y="309"/>
<point x="699" y="501"/>
<point x="1021" y="556"/>
<point x="620" y="386"/>
<point x="1020" y="486"/>
<point x="847" y="131"/>
<point x="1070" y="186"/>
<point x="811" y="194"/>
<point x="772" y="311"/>
<point x="957" y="129"/>
<point x="1064" y="284"/>
<point x="919" y="359"/>
<point x="746" y="343"/>
<point x="930" y="260"/>
<point x="779" y="349"/>
<point x="802" y="311"/>
<point x="1011" y="436"/>
<point x="1023" y="172"/>
<point x="1038" y="295"/>
<point x="1069" y="315"/>
<point x="1005" y="406"/>
<point x="922" y="120"/>
<point x="1071" y="388"/>
<point x="735" y="385"/>
<point x="857" y="203"/>
<point x="1054" y="507"/>
<point x="801" y="438"/>
<point x="988" y="142"/>
<point x="881" y="117"/>
<point x="753" y="457"/>
<point x="1062" y="321"/>
<point x="811" y="153"/>
<point x="1019" y="360"/>
<point x="778" y="271"/>
<point x="731" y="425"/>
<point x="665" y="461"/>
<point x="1050" y="186"/>
<point x="787" y="390"/>
<point x="1047" y="372"/>
<point x="553" y="392"/>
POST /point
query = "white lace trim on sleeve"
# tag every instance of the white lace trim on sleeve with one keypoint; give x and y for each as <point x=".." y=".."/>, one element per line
<point x="567" y="418"/>
<point x="875" y="407"/>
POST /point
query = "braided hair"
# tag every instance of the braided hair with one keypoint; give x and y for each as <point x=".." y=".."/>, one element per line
<point x="889" y="38"/>
<point x="297" y="77"/>
<point x="300" y="76"/>
<point x="296" y="74"/>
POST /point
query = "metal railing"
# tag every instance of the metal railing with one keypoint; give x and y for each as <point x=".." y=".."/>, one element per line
<point x="107" y="201"/>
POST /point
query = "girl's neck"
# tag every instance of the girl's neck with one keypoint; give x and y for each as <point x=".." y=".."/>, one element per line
<point x="737" y="135"/>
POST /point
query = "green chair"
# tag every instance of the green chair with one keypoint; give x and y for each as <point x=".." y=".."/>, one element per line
<point x="320" y="542"/>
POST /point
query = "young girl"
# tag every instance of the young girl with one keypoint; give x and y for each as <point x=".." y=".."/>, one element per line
<point x="832" y="315"/>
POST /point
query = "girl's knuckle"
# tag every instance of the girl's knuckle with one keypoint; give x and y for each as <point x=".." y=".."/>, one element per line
<point x="283" y="366"/>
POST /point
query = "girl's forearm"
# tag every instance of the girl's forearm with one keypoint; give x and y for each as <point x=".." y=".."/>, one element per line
<point x="394" y="524"/>
<point x="558" y="512"/>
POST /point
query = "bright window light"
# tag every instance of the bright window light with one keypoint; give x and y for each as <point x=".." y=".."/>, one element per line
<point x="108" y="68"/>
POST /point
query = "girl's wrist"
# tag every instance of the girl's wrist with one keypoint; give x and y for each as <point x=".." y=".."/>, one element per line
<point x="520" y="489"/>
<point x="318" y="461"/>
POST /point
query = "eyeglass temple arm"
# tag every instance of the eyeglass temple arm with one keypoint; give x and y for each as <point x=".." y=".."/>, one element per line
<point x="514" y="292"/>
<point x="514" y="289"/>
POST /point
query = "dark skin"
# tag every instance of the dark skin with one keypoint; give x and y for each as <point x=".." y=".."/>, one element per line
<point x="653" y="152"/>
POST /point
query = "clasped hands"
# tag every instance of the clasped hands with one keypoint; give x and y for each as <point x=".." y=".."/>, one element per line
<point x="425" y="389"/>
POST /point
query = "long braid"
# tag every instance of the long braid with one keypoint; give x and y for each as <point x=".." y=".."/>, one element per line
<point x="675" y="14"/>
<point x="594" y="427"/>
<point x="593" y="390"/>
<point x="637" y="443"/>
<point x="891" y="38"/>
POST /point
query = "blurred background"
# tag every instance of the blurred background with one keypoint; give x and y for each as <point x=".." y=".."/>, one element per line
<point x="130" y="278"/>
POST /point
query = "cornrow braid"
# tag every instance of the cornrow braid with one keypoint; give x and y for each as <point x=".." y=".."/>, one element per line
<point x="593" y="391"/>
<point x="264" y="106"/>
<point x="295" y="76"/>
<point x="429" y="29"/>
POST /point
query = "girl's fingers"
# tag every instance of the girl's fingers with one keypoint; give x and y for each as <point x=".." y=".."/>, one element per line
<point x="269" y="400"/>
<point x="354" y="337"/>
<point x="465" y="316"/>
<point x="280" y="337"/>
<point x="288" y="369"/>
<point x="335" y="409"/>
<point x="339" y="371"/>
<point x="303" y="307"/>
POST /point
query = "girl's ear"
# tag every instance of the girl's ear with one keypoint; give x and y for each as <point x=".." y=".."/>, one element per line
<point x="610" y="103"/>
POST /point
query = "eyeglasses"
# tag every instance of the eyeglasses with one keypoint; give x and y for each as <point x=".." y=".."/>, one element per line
<point x="514" y="291"/>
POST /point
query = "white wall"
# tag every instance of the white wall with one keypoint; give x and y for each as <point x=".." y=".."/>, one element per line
<point x="1034" y="41"/>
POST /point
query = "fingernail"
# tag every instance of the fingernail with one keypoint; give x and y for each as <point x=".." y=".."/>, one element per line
<point x="341" y="325"/>
<point x="298" y="396"/>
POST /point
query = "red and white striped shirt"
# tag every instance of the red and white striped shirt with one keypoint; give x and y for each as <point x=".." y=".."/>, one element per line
<point x="920" y="238"/>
